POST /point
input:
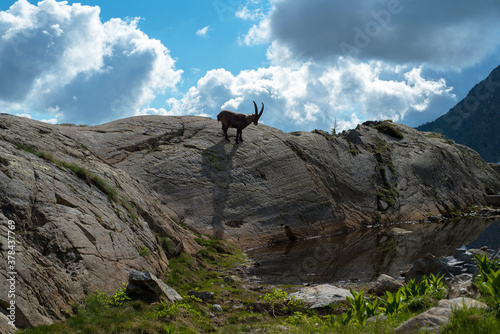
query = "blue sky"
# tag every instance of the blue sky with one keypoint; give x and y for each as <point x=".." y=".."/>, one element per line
<point x="312" y="63"/>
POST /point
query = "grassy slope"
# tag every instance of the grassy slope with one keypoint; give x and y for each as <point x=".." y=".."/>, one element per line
<point x="246" y="307"/>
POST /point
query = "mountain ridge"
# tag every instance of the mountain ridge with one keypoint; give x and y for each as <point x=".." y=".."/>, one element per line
<point x="475" y="120"/>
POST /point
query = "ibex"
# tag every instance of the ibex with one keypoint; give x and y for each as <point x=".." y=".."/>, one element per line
<point x="231" y="119"/>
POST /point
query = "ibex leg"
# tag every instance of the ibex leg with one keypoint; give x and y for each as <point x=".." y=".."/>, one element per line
<point x="239" y="132"/>
<point x="224" y="128"/>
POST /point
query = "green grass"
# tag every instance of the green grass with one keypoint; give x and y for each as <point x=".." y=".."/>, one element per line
<point x="79" y="171"/>
<point x="472" y="321"/>
<point x="144" y="252"/>
<point x="247" y="308"/>
<point x="89" y="177"/>
<point x="435" y="135"/>
<point x="389" y="129"/>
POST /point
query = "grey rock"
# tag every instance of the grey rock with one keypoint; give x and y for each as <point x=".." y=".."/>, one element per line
<point x="454" y="266"/>
<point x="385" y="283"/>
<point x="217" y="308"/>
<point x="436" y="317"/>
<point x="480" y="253"/>
<point x="321" y="295"/>
<point x="462" y="261"/>
<point x="203" y="295"/>
<point x="426" y="265"/>
<point x="461" y="286"/>
<point x="143" y="284"/>
<point x="462" y="254"/>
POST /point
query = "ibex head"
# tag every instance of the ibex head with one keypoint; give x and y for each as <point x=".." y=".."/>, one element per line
<point x="257" y="114"/>
<point x="231" y="119"/>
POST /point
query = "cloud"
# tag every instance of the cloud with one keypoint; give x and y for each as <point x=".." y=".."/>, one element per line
<point x="203" y="32"/>
<point x="250" y="11"/>
<point x="61" y="59"/>
<point x="312" y="96"/>
<point x="447" y="34"/>
<point x="258" y="34"/>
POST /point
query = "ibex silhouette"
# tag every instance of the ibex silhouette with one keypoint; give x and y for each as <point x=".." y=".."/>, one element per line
<point x="231" y="119"/>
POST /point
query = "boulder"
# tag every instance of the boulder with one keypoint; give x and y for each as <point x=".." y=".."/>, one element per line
<point x="424" y="266"/>
<point x="462" y="254"/>
<point x="436" y="317"/>
<point x="144" y="285"/>
<point x="321" y="295"/>
<point x="203" y="295"/>
<point x="462" y="286"/>
<point x="385" y="283"/>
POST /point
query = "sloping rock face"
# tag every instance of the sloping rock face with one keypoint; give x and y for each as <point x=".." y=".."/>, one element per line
<point x="313" y="182"/>
<point x="75" y="232"/>
<point x="91" y="203"/>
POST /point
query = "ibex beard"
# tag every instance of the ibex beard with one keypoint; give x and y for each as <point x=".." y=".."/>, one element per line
<point x="231" y="119"/>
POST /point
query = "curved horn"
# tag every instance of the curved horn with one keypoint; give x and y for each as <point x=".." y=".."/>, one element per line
<point x="256" y="110"/>
<point x="261" y="110"/>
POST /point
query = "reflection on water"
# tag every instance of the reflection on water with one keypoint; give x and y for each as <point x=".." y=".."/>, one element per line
<point x="364" y="254"/>
<point x="489" y="237"/>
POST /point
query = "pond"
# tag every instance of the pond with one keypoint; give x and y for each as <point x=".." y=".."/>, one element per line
<point x="363" y="255"/>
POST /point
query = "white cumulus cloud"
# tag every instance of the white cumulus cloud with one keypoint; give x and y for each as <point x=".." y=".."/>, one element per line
<point x="62" y="58"/>
<point x="315" y="96"/>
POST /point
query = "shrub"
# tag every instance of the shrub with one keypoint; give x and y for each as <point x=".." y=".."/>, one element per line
<point x="488" y="279"/>
<point x="166" y="311"/>
<point x="361" y="308"/>
<point x="280" y="302"/>
<point x="117" y="299"/>
<point x="393" y="302"/>
<point x="144" y="252"/>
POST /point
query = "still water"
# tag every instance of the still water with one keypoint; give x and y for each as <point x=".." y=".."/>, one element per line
<point x="363" y="255"/>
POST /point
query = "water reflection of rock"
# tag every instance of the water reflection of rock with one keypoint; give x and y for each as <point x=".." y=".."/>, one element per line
<point x="361" y="255"/>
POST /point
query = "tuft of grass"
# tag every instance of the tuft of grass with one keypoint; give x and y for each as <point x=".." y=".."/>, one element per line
<point x="79" y="171"/>
<point x="144" y="252"/>
<point x="90" y="177"/>
<point x="435" y="135"/>
<point x="473" y="321"/>
<point x="389" y="129"/>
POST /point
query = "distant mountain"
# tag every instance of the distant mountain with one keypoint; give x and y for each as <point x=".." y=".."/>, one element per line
<point x="475" y="121"/>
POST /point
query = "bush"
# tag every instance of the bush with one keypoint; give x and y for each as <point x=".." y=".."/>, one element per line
<point x="393" y="302"/>
<point x="117" y="299"/>
<point x="488" y="279"/>
<point x="281" y="303"/>
<point x="361" y="308"/>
